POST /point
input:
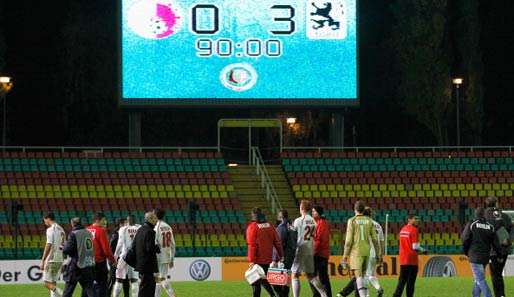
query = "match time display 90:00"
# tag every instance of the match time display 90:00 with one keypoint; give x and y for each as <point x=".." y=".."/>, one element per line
<point x="226" y="48"/>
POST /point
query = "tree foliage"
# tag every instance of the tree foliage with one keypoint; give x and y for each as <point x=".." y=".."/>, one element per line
<point x="2" y="40"/>
<point x="467" y="42"/>
<point x="88" y="75"/>
<point x="421" y="46"/>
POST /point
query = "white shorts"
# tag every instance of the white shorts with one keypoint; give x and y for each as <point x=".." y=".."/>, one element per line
<point x="52" y="272"/>
<point x="164" y="270"/>
<point x="303" y="263"/>
<point x="372" y="266"/>
<point x="124" y="271"/>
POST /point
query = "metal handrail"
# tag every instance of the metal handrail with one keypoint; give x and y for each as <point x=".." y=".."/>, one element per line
<point x="396" y="148"/>
<point x="107" y="148"/>
<point x="266" y="183"/>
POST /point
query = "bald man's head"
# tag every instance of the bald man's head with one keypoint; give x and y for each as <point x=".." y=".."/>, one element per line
<point x="151" y="218"/>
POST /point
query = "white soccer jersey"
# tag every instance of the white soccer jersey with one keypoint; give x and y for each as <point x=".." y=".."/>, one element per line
<point x="55" y="236"/>
<point x="166" y="242"/>
<point x="380" y="237"/>
<point x="306" y="229"/>
<point x="126" y="235"/>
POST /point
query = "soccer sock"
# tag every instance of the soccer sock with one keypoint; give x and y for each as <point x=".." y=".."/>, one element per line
<point x="296" y="287"/>
<point x="167" y="287"/>
<point x="134" y="286"/>
<point x="361" y="286"/>
<point x="158" y="289"/>
<point x="117" y="289"/>
<point x="373" y="280"/>
<point x="57" y="292"/>
<point x="319" y="287"/>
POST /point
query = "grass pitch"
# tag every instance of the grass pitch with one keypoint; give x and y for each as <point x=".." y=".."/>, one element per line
<point x="425" y="287"/>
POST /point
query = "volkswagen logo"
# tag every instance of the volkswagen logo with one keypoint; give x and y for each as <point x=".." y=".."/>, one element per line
<point x="200" y="270"/>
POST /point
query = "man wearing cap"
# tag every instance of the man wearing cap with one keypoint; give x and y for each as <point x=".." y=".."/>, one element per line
<point x="80" y="268"/>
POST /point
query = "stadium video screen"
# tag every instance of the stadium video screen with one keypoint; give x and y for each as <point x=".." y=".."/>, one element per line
<point x="239" y="52"/>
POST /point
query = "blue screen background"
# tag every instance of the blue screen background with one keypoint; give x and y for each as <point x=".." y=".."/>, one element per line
<point x="308" y="69"/>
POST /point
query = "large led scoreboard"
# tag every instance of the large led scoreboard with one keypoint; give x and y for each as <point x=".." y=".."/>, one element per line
<point x="239" y="52"/>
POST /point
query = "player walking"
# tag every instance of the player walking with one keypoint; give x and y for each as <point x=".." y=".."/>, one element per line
<point x="166" y="242"/>
<point x="371" y="272"/>
<point x="305" y="226"/>
<point x="409" y="250"/>
<point x="123" y="270"/>
<point x="360" y="229"/>
<point x="52" y="257"/>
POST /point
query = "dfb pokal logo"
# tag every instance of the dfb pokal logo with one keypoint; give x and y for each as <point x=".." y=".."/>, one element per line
<point x="239" y="77"/>
<point x="326" y="19"/>
<point x="200" y="270"/>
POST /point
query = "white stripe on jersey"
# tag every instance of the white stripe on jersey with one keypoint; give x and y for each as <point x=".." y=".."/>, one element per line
<point x="55" y="236"/>
<point x="166" y="242"/>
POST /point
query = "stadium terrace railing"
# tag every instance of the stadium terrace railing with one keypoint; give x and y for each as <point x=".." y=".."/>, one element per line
<point x="398" y="148"/>
<point x="96" y="149"/>
<point x="266" y="183"/>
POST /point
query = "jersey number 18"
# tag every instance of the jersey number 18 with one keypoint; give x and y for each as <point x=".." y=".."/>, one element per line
<point x="166" y="239"/>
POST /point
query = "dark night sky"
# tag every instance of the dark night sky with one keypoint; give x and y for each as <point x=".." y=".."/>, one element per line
<point x="34" y="32"/>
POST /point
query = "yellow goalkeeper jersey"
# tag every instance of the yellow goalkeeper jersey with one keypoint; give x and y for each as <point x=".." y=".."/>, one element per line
<point x="359" y="230"/>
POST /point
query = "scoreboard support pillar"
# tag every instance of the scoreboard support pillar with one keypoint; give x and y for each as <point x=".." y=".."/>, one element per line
<point x="337" y="129"/>
<point x="134" y="131"/>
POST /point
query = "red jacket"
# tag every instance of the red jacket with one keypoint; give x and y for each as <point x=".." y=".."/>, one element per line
<point x="261" y="238"/>
<point x="322" y="238"/>
<point x="101" y="244"/>
<point x="408" y="237"/>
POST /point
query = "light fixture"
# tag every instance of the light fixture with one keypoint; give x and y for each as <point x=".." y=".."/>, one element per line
<point x="5" y="84"/>
<point x="458" y="81"/>
<point x="233" y="165"/>
<point x="291" y="121"/>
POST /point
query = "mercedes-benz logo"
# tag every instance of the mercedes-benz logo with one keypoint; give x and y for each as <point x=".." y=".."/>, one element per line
<point x="200" y="270"/>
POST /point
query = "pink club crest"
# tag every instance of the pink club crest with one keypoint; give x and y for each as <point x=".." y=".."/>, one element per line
<point x="154" y="19"/>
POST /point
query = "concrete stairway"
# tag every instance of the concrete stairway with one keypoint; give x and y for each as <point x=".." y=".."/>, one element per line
<point x="248" y="188"/>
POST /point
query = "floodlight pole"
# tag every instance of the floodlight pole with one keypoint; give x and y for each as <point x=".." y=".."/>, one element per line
<point x="457" y="95"/>
<point x="5" y="86"/>
<point x="457" y="82"/>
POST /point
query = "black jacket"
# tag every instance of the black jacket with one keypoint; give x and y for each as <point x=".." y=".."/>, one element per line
<point x="113" y="241"/>
<point x="146" y="249"/>
<point x="478" y="238"/>
<point x="288" y="243"/>
<point x="499" y="219"/>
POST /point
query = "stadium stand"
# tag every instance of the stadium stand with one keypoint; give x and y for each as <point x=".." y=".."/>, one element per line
<point x="431" y="183"/>
<point x="79" y="184"/>
<point x="118" y="183"/>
